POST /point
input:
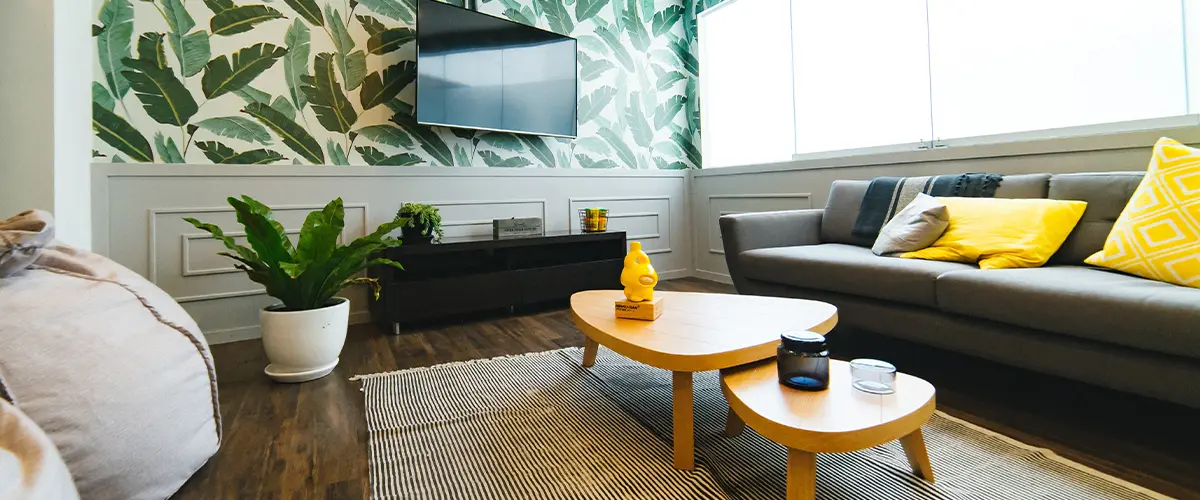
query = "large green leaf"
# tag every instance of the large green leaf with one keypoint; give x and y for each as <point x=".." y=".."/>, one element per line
<point x="590" y="69"/>
<point x="618" y="144"/>
<point x="352" y="63"/>
<point x="693" y="154"/>
<point x="692" y="106"/>
<point x="492" y="159"/>
<point x="220" y="77"/>
<point x="586" y="9"/>
<point x="684" y="53"/>
<point x="267" y="241"/>
<point x="118" y="133"/>
<point x="539" y="149"/>
<point x="665" y="19"/>
<point x="377" y="89"/>
<point x="388" y="135"/>
<point x="236" y="127"/>
<point x="592" y="104"/>
<point x="375" y="157"/>
<point x="519" y="13"/>
<point x="113" y="44"/>
<point x="177" y="17"/>
<point x="557" y="16"/>
<point x="320" y="232"/>
<point x="168" y="151"/>
<point x="295" y="62"/>
<point x="502" y="140"/>
<point x="594" y="144"/>
<point x="371" y="25"/>
<point x="635" y="28"/>
<point x="337" y="155"/>
<point x="150" y="49"/>
<point x="293" y="136"/>
<point x="663" y="164"/>
<point x="614" y="42"/>
<point x="282" y="105"/>
<point x="251" y="94"/>
<point x="586" y="162"/>
<point x="218" y="6"/>
<point x="429" y="141"/>
<point x="642" y="133"/>
<point x="333" y="109"/>
<point x="216" y="152"/>
<point x="101" y="96"/>
<point x="241" y="19"/>
<point x="594" y="44"/>
<point x="389" y="40"/>
<point x="666" y="78"/>
<point x="192" y="51"/>
<point x="461" y="157"/>
<point x="392" y="9"/>
<point x="665" y="112"/>
<point x="308" y="10"/>
<point x="163" y="96"/>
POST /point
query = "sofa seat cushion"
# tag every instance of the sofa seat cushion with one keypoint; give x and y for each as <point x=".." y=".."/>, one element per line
<point x="849" y="269"/>
<point x="1083" y="302"/>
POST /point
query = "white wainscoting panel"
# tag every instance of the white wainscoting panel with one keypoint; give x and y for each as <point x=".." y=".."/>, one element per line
<point x="138" y="213"/>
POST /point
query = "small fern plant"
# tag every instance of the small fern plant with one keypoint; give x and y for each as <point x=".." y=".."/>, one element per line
<point x="424" y="217"/>
<point x="308" y="274"/>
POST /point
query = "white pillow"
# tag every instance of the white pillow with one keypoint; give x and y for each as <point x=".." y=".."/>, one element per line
<point x="914" y="227"/>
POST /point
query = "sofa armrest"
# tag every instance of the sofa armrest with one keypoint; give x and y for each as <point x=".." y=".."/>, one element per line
<point x="751" y="231"/>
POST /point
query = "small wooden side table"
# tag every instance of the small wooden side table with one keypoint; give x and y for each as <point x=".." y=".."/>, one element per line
<point x="837" y="420"/>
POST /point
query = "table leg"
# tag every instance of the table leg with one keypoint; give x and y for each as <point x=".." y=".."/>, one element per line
<point x="801" y="475"/>
<point x="918" y="459"/>
<point x="734" y="424"/>
<point x="684" y="433"/>
<point x="590" y="347"/>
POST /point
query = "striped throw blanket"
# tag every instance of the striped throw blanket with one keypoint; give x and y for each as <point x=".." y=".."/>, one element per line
<point x="887" y="195"/>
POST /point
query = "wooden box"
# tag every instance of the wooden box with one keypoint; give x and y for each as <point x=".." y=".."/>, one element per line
<point x="646" y="311"/>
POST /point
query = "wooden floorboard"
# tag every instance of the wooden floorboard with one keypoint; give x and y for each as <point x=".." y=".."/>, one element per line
<point x="310" y="440"/>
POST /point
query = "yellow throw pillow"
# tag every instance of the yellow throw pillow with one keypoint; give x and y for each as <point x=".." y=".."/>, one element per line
<point x="1003" y="233"/>
<point x="1157" y="236"/>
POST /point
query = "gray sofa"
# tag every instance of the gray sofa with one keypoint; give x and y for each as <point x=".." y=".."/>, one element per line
<point x="1066" y="319"/>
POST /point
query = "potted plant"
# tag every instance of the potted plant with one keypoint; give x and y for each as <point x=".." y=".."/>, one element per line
<point x="424" y="222"/>
<point x="303" y="335"/>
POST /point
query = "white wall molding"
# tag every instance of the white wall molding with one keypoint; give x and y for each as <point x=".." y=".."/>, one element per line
<point x="137" y="211"/>
<point x="766" y="202"/>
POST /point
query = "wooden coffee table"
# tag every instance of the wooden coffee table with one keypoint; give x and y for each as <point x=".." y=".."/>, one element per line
<point x="696" y="332"/>
<point x="837" y="420"/>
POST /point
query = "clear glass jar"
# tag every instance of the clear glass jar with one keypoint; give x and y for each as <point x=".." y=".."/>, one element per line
<point x="803" y="361"/>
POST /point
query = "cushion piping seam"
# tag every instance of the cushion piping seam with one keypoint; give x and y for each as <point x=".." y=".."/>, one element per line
<point x="212" y="376"/>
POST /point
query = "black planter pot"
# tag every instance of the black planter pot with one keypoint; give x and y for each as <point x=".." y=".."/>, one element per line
<point x="417" y="233"/>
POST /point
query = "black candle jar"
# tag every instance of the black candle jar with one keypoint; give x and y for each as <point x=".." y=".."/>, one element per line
<point x="803" y="361"/>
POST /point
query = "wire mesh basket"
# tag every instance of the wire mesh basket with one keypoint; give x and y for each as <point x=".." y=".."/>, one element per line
<point x="593" y="220"/>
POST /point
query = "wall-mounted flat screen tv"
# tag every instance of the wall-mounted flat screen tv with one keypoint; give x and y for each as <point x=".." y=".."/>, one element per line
<point x="482" y="72"/>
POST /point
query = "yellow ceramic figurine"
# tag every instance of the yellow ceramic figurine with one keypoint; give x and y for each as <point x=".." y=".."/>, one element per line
<point x="638" y="277"/>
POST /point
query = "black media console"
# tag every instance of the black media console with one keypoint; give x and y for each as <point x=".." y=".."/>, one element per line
<point x="471" y="274"/>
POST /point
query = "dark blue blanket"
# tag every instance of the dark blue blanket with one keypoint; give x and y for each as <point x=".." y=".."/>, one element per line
<point x="887" y="195"/>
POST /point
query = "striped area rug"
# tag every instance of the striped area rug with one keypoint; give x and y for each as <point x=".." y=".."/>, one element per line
<point x="538" y="426"/>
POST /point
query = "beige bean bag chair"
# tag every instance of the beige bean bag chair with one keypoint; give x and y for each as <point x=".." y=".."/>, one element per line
<point x="108" y="365"/>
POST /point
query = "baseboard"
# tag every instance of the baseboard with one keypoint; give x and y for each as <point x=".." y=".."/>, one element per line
<point x="711" y="276"/>
<point x="252" y="332"/>
<point x="674" y="274"/>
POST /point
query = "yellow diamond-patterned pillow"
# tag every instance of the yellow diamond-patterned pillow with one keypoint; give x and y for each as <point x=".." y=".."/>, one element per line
<point x="1157" y="236"/>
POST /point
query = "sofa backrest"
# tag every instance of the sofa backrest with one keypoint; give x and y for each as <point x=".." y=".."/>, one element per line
<point x="1106" y="194"/>
<point x="845" y="200"/>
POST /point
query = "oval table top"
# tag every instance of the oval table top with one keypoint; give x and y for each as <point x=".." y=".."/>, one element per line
<point x="699" y="331"/>
<point x="836" y="420"/>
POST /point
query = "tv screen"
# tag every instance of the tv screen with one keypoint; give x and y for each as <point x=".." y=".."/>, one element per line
<point x="483" y="72"/>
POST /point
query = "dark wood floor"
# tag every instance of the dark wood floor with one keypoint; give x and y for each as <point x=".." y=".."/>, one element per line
<point x="309" y="440"/>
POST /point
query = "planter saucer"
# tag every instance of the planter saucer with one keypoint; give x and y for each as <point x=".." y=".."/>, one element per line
<point x="304" y="376"/>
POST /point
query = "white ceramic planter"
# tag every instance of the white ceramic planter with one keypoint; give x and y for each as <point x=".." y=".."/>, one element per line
<point x="304" y="345"/>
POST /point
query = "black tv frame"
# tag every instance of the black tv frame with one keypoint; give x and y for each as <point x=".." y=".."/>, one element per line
<point x="417" y="82"/>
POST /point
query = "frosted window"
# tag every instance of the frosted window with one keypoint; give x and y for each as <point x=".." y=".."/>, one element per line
<point x="746" y="88"/>
<point x="861" y="73"/>
<point x="1018" y="65"/>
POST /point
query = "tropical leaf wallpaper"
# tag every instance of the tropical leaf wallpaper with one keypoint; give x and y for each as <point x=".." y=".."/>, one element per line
<point x="330" y="82"/>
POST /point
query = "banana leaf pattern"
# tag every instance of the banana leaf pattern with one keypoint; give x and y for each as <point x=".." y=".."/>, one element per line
<point x="331" y="82"/>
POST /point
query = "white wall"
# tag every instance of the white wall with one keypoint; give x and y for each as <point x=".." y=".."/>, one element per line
<point x="45" y="113"/>
<point x="138" y="211"/>
<point x="26" y="106"/>
<point x="805" y="184"/>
